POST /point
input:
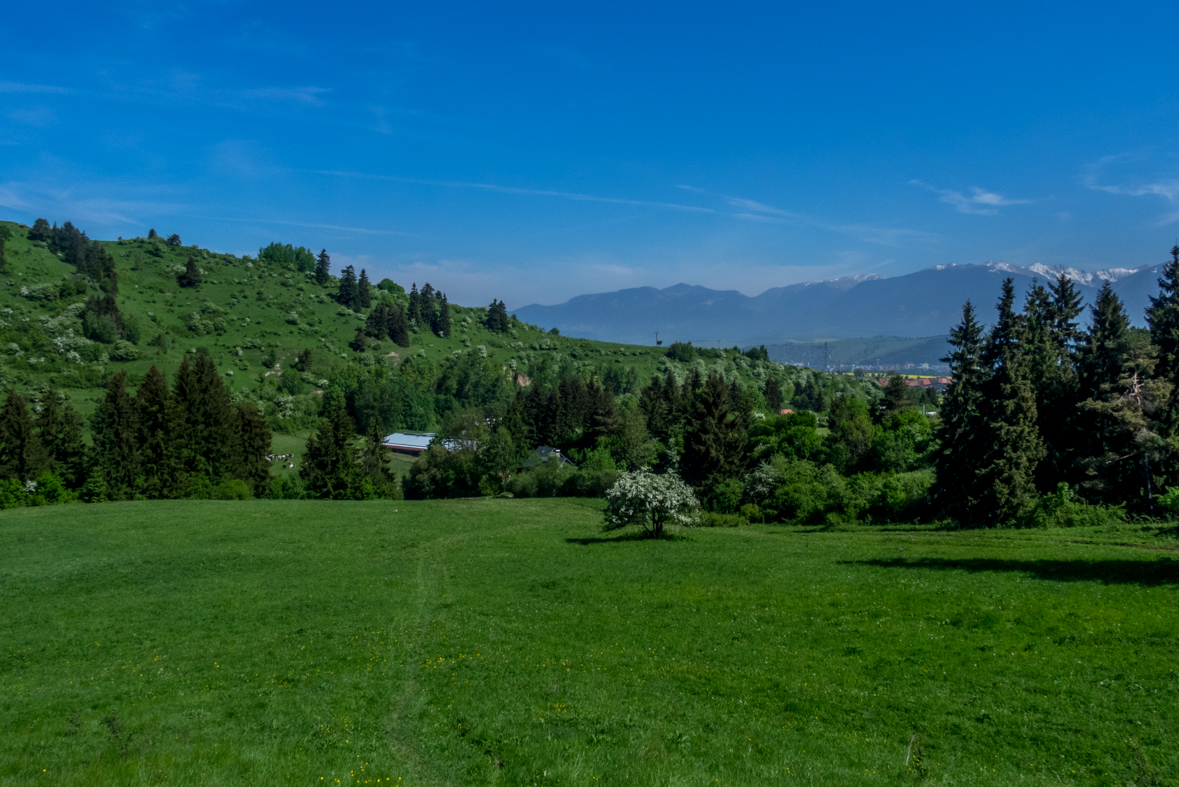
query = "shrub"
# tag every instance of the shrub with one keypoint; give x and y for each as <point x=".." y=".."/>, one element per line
<point x="123" y="351"/>
<point x="48" y="491"/>
<point x="232" y="489"/>
<point x="651" y="502"/>
<point x="12" y="493"/>
<point x="1063" y="508"/>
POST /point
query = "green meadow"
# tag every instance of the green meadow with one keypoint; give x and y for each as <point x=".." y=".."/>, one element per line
<point x="511" y="642"/>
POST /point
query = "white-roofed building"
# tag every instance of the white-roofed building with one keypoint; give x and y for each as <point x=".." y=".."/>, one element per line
<point x="412" y="443"/>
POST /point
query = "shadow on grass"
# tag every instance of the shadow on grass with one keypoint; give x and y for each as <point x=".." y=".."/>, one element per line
<point x="631" y="536"/>
<point x="1140" y="572"/>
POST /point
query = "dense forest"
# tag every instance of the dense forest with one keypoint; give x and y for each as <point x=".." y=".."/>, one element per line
<point x="1051" y="418"/>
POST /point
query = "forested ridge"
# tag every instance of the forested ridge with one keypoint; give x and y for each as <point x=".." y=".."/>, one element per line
<point x="143" y="368"/>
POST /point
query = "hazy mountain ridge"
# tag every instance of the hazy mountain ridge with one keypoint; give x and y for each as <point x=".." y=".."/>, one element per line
<point x="924" y="303"/>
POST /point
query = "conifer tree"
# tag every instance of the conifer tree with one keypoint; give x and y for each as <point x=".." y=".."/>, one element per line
<point x="443" y="325"/>
<point x="191" y="276"/>
<point x="116" y="447"/>
<point x="1006" y="331"/>
<point x="426" y="307"/>
<point x="40" y="230"/>
<point x="364" y="298"/>
<point x="158" y="428"/>
<point x="399" y="326"/>
<point x="897" y="396"/>
<point x="497" y="317"/>
<point x="330" y="469"/>
<point x="773" y="394"/>
<point x="1130" y="423"/>
<point x="22" y="455"/>
<point x="1013" y="448"/>
<point x="955" y="490"/>
<point x="655" y="408"/>
<point x="1163" y="318"/>
<point x="60" y="429"/>
<point x="251" y="446"/>
<point x="1105" y="344"/>
<point x="414" y="313"/>
<point x="323" y="268"/>
<point x="349" y="294"/>
<point x="714" y="437"/>
<point x="376" y="324"/>
<point x="374" y="463"/>
<point x="206" y="419"/>
<point x="3" y="243"/>
<point x="1010" y="446"/>
<point x="151" y="234"/>
<point x="1066" y="307"/>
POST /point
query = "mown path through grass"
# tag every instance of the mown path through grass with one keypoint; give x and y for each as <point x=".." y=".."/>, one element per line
<point x="510" y="642"/>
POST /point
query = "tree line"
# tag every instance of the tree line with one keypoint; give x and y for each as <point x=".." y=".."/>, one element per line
<point x="1039" y="405"/>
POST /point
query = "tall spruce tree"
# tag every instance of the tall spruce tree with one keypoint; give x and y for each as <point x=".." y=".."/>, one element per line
<point x="772" y="391"/>
<point x="714" y="437"/>
<point x="374" y="463"/>
<point x="330" y="469"/>
<point x="955" y="489"/>
<point x="426" y="307"/>
<point x="442" y="328"/>
<point x="364" y="297"/>
<point x="323" y="268"/>
<point x="1105" y="344"/>
<point x="1163" y="318"/>
<point x="399" y="326"/>
<point x="22" y="455"/>
<point x="251" y="446"/>
<point x="206" y="422"/>
<point x="116" y="443"/>
<point x="1130" y="415"/>
<point x="4" y="233"/>
<point x="349" y="294"/>
<point x="414" y="312"/>
<point x="158" y="423"/>
<point x="1010" y="442"/>
<point x="1066" y="307"/>
<point x="60" y="429"/>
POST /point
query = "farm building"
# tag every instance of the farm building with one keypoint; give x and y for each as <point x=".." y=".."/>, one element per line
<point x="412" y="443"/>
<point x="543" y="454"/>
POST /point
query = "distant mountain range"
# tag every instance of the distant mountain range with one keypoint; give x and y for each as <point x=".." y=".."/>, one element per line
<point x="925" y="303"/>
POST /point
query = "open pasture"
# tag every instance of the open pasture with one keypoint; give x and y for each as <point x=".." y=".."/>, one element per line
<point x="509" y="642"/>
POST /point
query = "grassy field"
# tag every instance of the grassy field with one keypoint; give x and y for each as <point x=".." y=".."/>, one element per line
<point x="510" y="642"/>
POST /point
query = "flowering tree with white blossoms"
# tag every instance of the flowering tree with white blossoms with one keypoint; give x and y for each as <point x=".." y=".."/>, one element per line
<point x="649" y="501"/>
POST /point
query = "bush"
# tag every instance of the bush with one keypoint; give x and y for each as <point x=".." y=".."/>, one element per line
<point x="440" y="473"/>
<point x="49" y="490"/>
<point x="123" y="351"/>
<point x="232" y="489"/>
<point x="651" y="502"/>
<point x="12" y="493"/>
<point x="1169" y="500"/>
<point x="1063" y="508"/>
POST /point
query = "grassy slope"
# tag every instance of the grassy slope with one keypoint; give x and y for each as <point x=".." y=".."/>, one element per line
<point x="257" y="301"/>
<point x="499" y="641"/>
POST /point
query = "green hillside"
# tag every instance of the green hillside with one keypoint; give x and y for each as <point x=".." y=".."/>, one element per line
<point x="254" y="317"/>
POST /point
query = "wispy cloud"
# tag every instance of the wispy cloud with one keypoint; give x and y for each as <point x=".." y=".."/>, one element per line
<point x="518" y="190"/>
<point x="309" y="225"/>
<point x="38" y="117"/>
<point x="19" y="87"/>
<point x="298" y="95"/>
<point x="979" y="202"/>
<point x="1167" y="188"/>
<point x="80" y="203"/>
<point x="753" y="210"/>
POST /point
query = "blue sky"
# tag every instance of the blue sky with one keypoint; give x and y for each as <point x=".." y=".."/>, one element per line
<point x="533" y="154"/>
